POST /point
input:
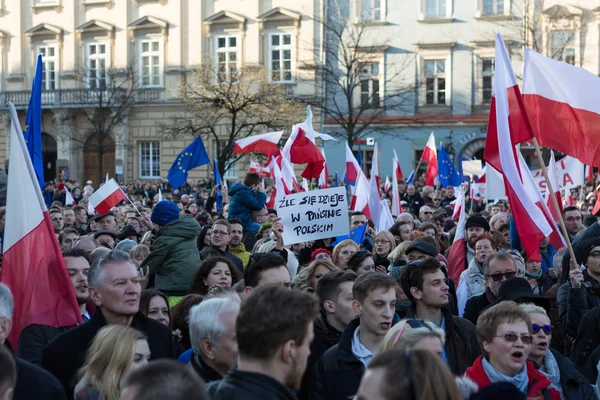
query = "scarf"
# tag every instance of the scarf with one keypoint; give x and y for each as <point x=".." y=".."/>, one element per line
<point x="552" y="372"/>
<point x="534" y="276"/>
<point x="520" y="380"/>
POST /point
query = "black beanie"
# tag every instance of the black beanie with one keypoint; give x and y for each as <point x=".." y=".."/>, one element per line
<point x="478" y="220"/>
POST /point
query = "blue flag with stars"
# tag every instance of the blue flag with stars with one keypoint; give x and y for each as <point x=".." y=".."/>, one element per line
<point x="356" y="234"/>
<point x="447" y="174"/>
<point x="33" y="124"/>
<point x="218" y="181"/>
<point x="191" y="157"/>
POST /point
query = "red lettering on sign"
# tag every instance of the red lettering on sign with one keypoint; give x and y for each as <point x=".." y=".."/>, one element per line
<point x="567" y="180"/>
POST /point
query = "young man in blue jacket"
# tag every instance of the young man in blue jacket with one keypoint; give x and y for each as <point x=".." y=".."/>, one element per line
<point x="245" y="198"/>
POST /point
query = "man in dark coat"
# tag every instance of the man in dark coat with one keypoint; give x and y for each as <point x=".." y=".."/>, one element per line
<point x="219" y="242"/>
<point x="274" y="331"/>
<point x="338" y="372"/>
<point x="425" y="285"/>
<point x="115" y="289"/>
<point x="245" y="198"/>
<point x="32" y="381"/>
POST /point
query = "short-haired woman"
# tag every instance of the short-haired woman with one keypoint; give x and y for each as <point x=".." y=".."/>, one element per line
<point x="415" y="334"/>
<point x="504" y="333"/>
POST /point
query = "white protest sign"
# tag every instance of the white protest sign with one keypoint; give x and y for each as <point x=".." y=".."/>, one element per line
<point x="313" y="215"/>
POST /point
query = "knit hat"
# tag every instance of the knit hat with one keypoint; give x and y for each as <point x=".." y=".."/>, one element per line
<point x="319" y="251"/>
<point x="164" y="212"/>
<point x="266" y="225"/>
<point x="60" y="186"/>
<point x="478" y="220"/>
<point x="128" y="231"/>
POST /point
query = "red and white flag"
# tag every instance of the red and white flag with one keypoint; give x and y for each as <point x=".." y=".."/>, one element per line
<point x="398" y="168"/>
<point x="553" y="175"/>
<point x="508" y="126"/>
<point x="387" y="184"/>
<point x="360" y="201"/>
<point x="304" y="151"/>
<point x="563" y="107"/>
<point x="107" y="196"/>
<point x="569" y="201"/>
<point x="159" y="196"/>
<point x="374" y="193"/>
<point x="279" y="189"/>
<point x="430" y="157"/>
<point x="324" y="174"/>
<point x="352" y="166"/>
<point x="589" y="173"/>
<point x="259" y="169"/>
<point x="458" y="204"/>
<point x="32" y="265"/>
<point x="69" y="200"/>
<point x="457" y="258"/>
<point x="264" y="144"/>
<point x="396" y="208"/>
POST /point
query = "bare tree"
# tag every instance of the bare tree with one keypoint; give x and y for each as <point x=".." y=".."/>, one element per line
<point x="228" y="105"/>
<point x="356" y="91"/>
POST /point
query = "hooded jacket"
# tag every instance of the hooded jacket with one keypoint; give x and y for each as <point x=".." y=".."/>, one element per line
<point x="174" y="257"/>
<point x="242" y="200"/>
<point x="538" y="383"/>
<point x="240" y="252"/>
<point x="474" y="279"/>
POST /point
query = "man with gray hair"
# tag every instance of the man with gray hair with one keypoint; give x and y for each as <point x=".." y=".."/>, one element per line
<point x="32" y="381"/>
<point x="115" y="290"/>
<point x="212" y="335"/>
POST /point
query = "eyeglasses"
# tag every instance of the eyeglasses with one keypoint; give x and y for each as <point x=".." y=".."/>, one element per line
<point x="436" y="199"/>
<point x="513" y="337"/>
<point x="381" y="241"/>
<point x="573" y="219"/>
<point x="427" y="212"/>
<point x="217" y="233"/>
<point x="535" y="328"/>
<point x="498" y="277"/>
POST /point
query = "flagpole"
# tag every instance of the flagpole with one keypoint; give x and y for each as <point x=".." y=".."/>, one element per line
<point x="417" y="171"/>
<point x="561" y="222"/>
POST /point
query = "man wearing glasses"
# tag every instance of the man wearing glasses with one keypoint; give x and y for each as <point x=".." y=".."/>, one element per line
<point x="425" y="214"/>
<point x="219" y="241"/>
<point x="573" y="220"/>
<point x="497" y="268"/>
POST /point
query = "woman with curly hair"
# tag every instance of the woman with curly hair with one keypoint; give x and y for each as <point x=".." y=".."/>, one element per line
<point x="214" y="271"/>
<point x="308" y="276"/>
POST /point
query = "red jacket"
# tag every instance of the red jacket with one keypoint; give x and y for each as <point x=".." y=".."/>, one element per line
<point x="538" y="383"/>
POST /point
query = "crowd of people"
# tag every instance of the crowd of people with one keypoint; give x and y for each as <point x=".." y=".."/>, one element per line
<point x="197" y="296"/>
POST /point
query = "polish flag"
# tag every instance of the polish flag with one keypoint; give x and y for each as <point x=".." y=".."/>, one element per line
<point x="430" y="157"/>
<point x="397" y="168"/>
<point x="107" y="196"/>
<point x="569" y="201"/>
<point x="458" y="204"/>
<point x="159" y="196"/>
<point x="305" y="187"/>
<point x="360" y="201"/>
<point x="396" y="208"/>
<point x="374" y="193"/>
<point x="69" y="200"/>
<point x="259" y="169"/>
<point x="32" y="265"/>
<point x="324" y="174"/>
<point x="508" y="126"/>
<point x="563" y="107"/>
<point x="279" y="189"/>
<point x="304" y="151"/>
<point x="553" y="175"/>
<point x="352" y="166"/>
<point x="589" y="173"/>
<point x="387" y="184"/>
<point x="386" y="220"/>
<point x="457" y="259"/>
<point x="265" y="143"/>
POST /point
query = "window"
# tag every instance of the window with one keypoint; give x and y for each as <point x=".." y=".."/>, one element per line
<point x="563" y="46"/>
<point x="231" y="164"/>
<point x="149" y="159"/>
<point x="97" y="60"/>
<point x="369" y="85"/>
<point x="493" y="7"/>
<point x="435" y="82"/>
<point x="280" y="57"/>
<point x="49" y="63"/>
<point x="369" y="10"/>
<point x="364" y="154"/>
<point x="227" y="58"/>
<point x="435" y="9"/>
<point x="150" y="63"/>
<point x="487" y="75"/>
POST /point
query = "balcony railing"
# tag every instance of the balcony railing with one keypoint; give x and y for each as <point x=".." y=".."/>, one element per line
<point x="80" y="97"/>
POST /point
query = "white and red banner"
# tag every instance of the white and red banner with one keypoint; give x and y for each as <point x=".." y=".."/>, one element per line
<point x="265" y="143"/>
<point x="259" y="169"/>
<point x="69" y="200"/>
<point x="430" y="157"/>
<point x="107" y="196"/>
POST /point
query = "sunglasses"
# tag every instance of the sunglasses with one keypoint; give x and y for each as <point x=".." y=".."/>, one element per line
<point x="513" y="337"/>
<point x="498" y="277"/>
<point x="535" y="328"/>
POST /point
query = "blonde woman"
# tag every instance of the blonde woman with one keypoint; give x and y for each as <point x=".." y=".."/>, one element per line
<point x="415" y="334"/>
<point x="308" y="276"/>
<point x="343" y="251"/>
<point x="399" y="252"/>
<point x="115" y="351"/>
<point x="384" y="244"/>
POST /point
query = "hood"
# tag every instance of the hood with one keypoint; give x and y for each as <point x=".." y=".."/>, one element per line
<point x="474" y="268"/>
<point x="237" y="188"/>
<point x="185" y="228"/>
<point x="240" y="248"/>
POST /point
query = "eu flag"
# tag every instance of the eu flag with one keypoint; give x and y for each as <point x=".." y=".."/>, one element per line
<point x="33" y="124"/>
<point x="191" y="157"/>
<point x="357" y="235"/>
<point x="219" y="182"/>
<point x="447" y="174"/>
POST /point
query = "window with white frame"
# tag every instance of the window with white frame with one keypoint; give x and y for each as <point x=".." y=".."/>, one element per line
<point x="563" y="46"/>
<point x="151" y="63"/>
<point x="435" y="82"/>
<point x="493" y="7"/>
<point x="369" y="85"/>
<point x="149" y="159"/>
<point x="230" y="165"/>
<point x="435" y="9"/>
<point x="369" y="10"/>
<point x="97" y="65"/>
<point x="49" y="63"/>
<point x="228" y="57"/>
<point x="281" y="57"/>
<point x="487" y="78"/>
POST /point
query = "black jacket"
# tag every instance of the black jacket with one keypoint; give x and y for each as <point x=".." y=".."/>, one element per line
<point x="204" y="371"/>
<point x="475" y="306"/>
<point x="34" y="339"/>
<point x="66" y="354"/>
<point x="326" y="336"/>
<point x="572" y="305"/>
<point x="337" y="374"/>
<point x="248" y="386"/>
<point x="461" y="347"/>
<point x="573" y="383"/>
<point x="227" y="254"/>
<point x="585" y="353"/>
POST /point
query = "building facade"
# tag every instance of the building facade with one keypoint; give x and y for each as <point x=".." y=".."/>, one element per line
<point x="446" y="50"/>
<point x="160" y="41"/>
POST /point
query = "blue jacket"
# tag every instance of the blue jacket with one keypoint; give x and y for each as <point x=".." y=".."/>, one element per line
<point x="515" y="243"/>
<point x="242" y="200"/>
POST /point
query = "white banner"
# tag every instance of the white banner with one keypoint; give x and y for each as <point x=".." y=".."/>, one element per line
<point x="312" y="215"/>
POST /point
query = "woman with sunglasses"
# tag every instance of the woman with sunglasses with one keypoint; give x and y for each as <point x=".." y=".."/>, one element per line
<point x="504" y="333"/>
<point x="415" y="334"/>
<point x="564" y="375"/>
